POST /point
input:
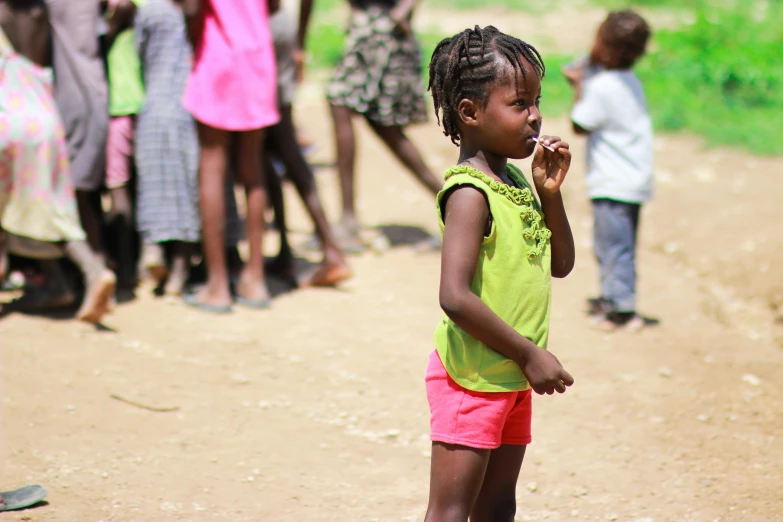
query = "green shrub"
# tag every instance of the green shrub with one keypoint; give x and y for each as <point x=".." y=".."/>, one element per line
<point x="719" y="77"/>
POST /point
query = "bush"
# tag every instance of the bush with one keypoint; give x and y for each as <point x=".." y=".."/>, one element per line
<point x="718" y="77"/>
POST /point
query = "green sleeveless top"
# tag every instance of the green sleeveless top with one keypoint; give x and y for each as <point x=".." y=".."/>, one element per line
<point x="513" y="277"/>
<point x="126" y="85"/>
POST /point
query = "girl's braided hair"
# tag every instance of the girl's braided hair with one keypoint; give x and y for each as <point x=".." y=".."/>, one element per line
<point x="468" y="64"/>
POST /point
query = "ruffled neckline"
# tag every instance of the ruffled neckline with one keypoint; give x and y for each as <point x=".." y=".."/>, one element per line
<point x="522" y="197"/>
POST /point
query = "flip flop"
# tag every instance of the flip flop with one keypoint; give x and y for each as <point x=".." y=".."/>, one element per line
<point x="22" y="498"/>
<point x="192" y="301"/>
<point x="261" y="304"/>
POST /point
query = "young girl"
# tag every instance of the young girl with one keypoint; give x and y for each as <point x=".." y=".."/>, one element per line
<point x="233" y="87"/>
<point x="501" y="246"/>
<point x="378" y="77"/>
<point x="166" y="147"/>
<point x="37" y="204"/>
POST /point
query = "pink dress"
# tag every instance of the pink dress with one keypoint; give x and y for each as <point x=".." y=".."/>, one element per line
<point x="233" y="85"/>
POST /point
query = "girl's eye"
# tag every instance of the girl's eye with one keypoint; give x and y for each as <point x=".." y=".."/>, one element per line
<point x="520" y="103"/>
<point x="538" y="100"/>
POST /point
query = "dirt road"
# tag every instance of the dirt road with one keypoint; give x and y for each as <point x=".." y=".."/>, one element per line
<point x="315" y="410"/>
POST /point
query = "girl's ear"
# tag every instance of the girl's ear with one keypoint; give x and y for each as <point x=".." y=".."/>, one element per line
<point x="467" y="111"/>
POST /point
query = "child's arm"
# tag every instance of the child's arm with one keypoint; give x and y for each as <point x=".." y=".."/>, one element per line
<point x="401" y="15"/>
<point x="305" y="8"/>
<point x="465" y="217"/>
<point x="549" y="173"/>
<point x="588" y="110"/>
<point x="192" y="11"/>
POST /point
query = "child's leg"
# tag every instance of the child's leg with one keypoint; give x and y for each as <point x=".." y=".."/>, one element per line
<point x="456" y="476"/>
<point x="284" y="262"/>
<point x="334" y="268"/>
<point x="615" y="226"/>
<point x="408" y="154"/>
<point x="99" y="281"/>
<point x="3" y="256"/>
<point x="88" y="203"/>
<point x="153" y="262"/>
<point x="345" y="145"/>
<point x="119" y="159"/>
<point x="497" y="501"/>
<point x="122" y="216"/>
<point x="251" y="286"/>
<point x="180" y="267"/>
<point x="212" y="204"/>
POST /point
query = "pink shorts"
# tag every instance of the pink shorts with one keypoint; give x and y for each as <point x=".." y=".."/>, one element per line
<point x="475" y="419"/>
<point x="119" y="151"/>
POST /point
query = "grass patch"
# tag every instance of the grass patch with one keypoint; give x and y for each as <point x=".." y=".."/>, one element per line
<point x="719" y="77"/>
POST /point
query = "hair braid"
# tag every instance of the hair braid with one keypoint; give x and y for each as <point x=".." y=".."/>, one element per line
<point x="468" y="64"/>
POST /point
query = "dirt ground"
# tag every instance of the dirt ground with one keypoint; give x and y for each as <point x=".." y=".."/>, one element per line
<point x="315" y="410"/>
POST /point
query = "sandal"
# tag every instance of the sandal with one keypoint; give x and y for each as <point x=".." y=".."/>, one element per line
<point x="22" y="498"/>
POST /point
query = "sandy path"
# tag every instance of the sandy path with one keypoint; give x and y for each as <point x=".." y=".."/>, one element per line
<point x="315" y="410"/>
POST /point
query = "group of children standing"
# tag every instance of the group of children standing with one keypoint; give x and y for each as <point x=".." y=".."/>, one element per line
<point x="180" y="106"/>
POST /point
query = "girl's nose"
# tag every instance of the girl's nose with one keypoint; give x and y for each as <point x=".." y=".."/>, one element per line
<point x="534" y="116"/>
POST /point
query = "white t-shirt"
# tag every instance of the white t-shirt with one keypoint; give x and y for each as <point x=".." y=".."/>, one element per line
<point x="620" y="145"/>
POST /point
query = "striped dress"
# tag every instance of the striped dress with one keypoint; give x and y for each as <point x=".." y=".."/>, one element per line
<point x="166" y="148"/>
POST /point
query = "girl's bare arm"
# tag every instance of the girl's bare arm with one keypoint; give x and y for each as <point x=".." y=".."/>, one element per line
<point x="193" y="21"/>
<point x="466" y="217"/>
<point x="562" y="242"/>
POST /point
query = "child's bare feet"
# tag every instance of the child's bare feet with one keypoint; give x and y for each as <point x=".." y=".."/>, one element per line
<point x="347" y="233"/>
<point x="252" y="291"/>
<point x="178" y="276"/>
<point x="97" y="297"/>
<point x="153" y="262"/>
<point x="333" y="271"/>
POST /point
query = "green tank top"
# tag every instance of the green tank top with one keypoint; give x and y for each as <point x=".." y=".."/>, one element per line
<point x="513" y="277"/>
<point x="126" y="86"/>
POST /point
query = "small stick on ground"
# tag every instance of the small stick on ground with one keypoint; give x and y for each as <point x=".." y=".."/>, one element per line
<point x="143" y="406"/>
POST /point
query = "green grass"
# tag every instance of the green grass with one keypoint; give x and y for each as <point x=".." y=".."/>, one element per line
<point x="719" y="77"/>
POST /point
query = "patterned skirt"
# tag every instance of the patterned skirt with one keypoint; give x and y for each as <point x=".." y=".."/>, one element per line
<point x="379" y="75"/>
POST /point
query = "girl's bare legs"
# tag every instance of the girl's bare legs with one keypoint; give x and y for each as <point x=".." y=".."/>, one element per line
<point x="402" y="147"/>
<point x="468" y="483"/>
<point x="153" y="262"/>
<point x="333" y="269"/>
<point x="99" y="281"/>
<point x="180" y="267"/>
<point x="251" y="285"/>
<point x="3" y="257"/>
<point x="91" y="216"/>
<point x="497" y="500"/>
<point x="283" y="264"/>
<point x="122" y="215"/>
<point x="212" y="204"/>
<point x="345" y="147"/>
<point x="394" y="137"/>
